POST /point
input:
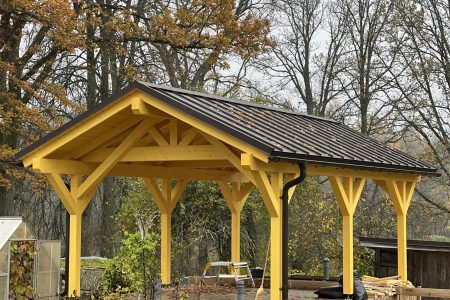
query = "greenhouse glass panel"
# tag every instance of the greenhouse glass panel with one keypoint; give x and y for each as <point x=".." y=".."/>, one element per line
<point x="4" y="287"/>
<point x="48" y="269"/>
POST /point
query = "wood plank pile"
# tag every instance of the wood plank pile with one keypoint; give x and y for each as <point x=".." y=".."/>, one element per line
<point x="383" y="287"/>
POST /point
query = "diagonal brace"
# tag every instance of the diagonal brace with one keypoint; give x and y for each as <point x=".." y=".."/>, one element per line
<point x="97" y="176"/>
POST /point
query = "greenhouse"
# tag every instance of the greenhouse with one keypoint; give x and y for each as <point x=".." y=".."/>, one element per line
<point x="28" y="267"/>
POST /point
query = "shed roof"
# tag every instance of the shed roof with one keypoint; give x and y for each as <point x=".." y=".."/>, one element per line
<point x="282" y="135"/>
<point x="417" y="245"/>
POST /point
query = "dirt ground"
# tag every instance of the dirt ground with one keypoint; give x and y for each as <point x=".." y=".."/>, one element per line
<point x="228" y="293"/>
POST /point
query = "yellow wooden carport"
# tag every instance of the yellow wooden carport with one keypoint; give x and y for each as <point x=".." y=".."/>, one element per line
<point x="156" y="132"/>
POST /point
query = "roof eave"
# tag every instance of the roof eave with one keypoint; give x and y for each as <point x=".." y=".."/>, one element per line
<point x="278" y="156"/>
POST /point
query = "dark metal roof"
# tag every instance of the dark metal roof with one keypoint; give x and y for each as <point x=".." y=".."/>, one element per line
<point x="283" y="135"/>
<point x="377" y="243"/>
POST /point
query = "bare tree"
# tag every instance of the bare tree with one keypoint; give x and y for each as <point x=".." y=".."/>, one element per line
<point x="368" y="60"/>
<point x="421" y="78"/>
<point x="309" y="51"/>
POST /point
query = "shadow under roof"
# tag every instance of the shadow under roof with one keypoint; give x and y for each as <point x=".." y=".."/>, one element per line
<point x="282" y="135"/>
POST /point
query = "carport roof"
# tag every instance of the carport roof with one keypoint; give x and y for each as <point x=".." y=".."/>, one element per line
<point x="282" y="135"/>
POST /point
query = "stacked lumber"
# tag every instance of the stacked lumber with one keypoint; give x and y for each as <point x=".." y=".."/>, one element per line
<point x="383" y="287"/>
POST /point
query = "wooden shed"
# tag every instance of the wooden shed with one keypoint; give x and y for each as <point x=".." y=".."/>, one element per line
<point x="428" y="261"/>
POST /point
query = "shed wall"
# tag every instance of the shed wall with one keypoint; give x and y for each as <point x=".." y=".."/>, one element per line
<point x="428" y="269"/>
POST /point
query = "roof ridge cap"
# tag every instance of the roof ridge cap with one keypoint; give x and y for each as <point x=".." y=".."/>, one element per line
<point x="221" y="98"/>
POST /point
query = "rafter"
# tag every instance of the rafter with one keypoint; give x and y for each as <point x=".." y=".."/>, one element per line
<point x="69" y="136"/>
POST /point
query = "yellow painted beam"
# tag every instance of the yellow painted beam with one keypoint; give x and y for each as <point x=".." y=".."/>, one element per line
<point x="402" y="259"/>
<point x="75" y="240"/>
<point x="267" y="193"/>
<point x="63" y="193"/>
<point x="135" y="170"/>
<point x="157" y="136"/>
<point x="166" y="247"/>
<point x="203" y="127"/>
<point x="341" y="195"/>
<point x="176" y="192"/>
<point x="400" y="192"/>
<point x="188" y="136"/>
<point x="166" y="198"/>
<point x="236" y="236"/>
<point x="75" y="207"/>
<point x="249" y="162"/>
<point x="173" y="132"/>
<point x="228" y="197"/>
<point x="157" y="195"/>
<point x="199" y="164"/>
<point x="347" y="251"/>
<point x="159" y="153"/>
<point x="235" y="196"/>
<point x="70" y="135"/>
<point x="115" y="156"/>
<point x="271" y="192"/>
<point x="289" y="177"/>
<point x="139" y="107"/>
<point x="86" y="199"/>
<point x="275" y="238"/>
<point x="75" y="254"/>
<point x="347" y="191"/>
<point x="229" y="155"/>
<point x="103" y="138"/>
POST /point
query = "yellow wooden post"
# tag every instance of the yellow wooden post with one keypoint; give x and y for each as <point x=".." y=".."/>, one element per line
<point x="75" y="206"/>
<point x="75" y="240"/>
<point x="166" y="198"/>
<point x="235" y="196"/>
<point x="270" y="192"/>
<point x="402" y="259"/>
<point x="401" y="193"/>
<point x="236" y="236"/>
<point x="347" y="192"/>
<point x="80" y="194"/>
<point x="75" y="254"/>
<point x="276" y="180"/>
<point x="166" y="247"/>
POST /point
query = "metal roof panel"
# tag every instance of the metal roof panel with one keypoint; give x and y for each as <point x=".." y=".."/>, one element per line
<point x="283" y="135"/>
